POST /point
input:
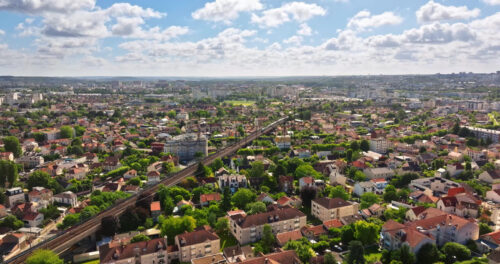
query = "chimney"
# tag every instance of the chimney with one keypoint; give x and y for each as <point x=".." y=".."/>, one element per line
<point x="266" y="261"/>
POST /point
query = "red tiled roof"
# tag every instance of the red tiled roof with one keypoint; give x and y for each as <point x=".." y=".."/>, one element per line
<point x="210" y="197"/>
<point x="155" y="206"/>
<point x="334" y="223"/>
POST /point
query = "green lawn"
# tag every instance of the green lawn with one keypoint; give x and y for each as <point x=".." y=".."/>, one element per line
<point x="372" y="254"/>
<point x="91" y="262"/>
<point x="227" y="240"/>
<point x="244" y="103"/>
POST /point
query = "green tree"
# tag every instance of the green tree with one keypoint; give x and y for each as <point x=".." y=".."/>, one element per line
<point x="88" y="212"/>
<point x="484" y="229"/>
<point x="255" y="208"/>
<point x="11" y="144"/>
<point x="428" y="253"/>
<point x="257" y="170"/>
<point x="390" y="194"/>
<point x="217" y="164"/>
<point x="364" y="145"/>
<point x="356" y="253"/>
<point x="12" y="222"/>
<point x="173" y="226"/>
<point x="455" y="252"/>
<point x="139" y="238"/>
<point x="42" y="256"/>
<point x="306" y="170"/>
<point x="366" y="233"/>
<point x="242" y="197"/>
<point x="338" y="192"/>
<point x="347" y="234"/>
<point x="226" y="199"/>
<point x="8" y="172"/>
<point x="404" y="255"/>
<point x="329" y="259"/>
<point x="66" y="132"/>
<point x="267" y="238"/>
<point x="302" y="248"/>
<point x="368" y="199"/>
<point x="222" y="226"/>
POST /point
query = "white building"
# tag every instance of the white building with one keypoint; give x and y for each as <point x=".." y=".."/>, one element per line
<point x="379" y="145"/>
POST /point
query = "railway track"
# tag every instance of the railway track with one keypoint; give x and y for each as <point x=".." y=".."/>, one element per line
<point x="73" y="235"/>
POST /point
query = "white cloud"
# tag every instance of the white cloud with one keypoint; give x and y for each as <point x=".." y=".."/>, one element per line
<point x="41" y="6"/>
<point x="492" y="2"/>
<point x="365" y="20"/>
<point x="295" y="40"/>
<point x="298" y="11"/>
<point x="225" y="10"/>
<point x="440" y="33"/>
<point x="2" y="32"/>
<point x="433" y="11"/>
<point x="384" y="41"/>
<point x="304" y="30"/>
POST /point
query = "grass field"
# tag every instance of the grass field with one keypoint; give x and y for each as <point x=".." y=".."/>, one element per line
<point x="243" y="103"/>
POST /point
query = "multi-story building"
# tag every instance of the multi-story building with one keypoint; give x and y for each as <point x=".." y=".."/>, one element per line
<point x="326" y="208"/>
<point x="232" y="181"/>
<point x="379" y="145"/>
<point x="437" y="230"/>
<point x="248" y="228"/>
<point x="435" y="184"/>
<point x="152" y="251"/>
<point x="486" y="134"/>
<point x="197" y="244"/>
<point x="283" y="142"/>
<point x="14" y="195"/>
<point x="187" y="146"/>
<point x="30" y="161"/>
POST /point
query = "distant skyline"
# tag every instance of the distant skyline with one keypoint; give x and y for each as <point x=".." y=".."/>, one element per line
<point x="225" y="38"/>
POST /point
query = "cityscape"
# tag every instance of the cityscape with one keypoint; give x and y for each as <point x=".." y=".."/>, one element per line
<point x="202" y="132"/>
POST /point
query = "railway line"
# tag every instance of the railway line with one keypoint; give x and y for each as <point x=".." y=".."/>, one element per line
<point x="73" y="235"/>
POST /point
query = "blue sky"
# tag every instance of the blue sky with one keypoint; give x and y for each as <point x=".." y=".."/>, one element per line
<point x="247" y="37"/>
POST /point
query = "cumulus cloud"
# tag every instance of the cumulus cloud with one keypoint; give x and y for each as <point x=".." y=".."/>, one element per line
<point x="440" y="33"/>
<point x="304" y="30"/>
<point x="492" y="2"/>
<point x="41" y="6"/>
<point x="365" y="20"/>
<point x="433" y="11"/>
<point x="296" y="40"/>
<point x="225" y="10"/>
<point x="2" y="32"/>
<point x="298" y="11"/>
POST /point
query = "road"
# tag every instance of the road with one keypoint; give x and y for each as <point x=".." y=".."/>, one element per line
<point x="71" y="236"/>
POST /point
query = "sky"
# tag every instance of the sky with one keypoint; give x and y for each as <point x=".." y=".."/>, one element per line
<point x="230" y="38"/>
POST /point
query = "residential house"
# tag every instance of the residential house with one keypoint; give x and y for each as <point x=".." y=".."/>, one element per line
<point x="40" y="195"/>
<point x="438" y="229"/>
<point x="130" y="174"/>
<point x="332" y="208"/>
<point x="311" y="182"/>
<point x="14" y="195"/>
<point x="232" y="181"/>
<point x="286" y="184"/>
<point x="33" y="219"/>
<point x="491" y="176"/>
<point x="283" y="257"/>
<point x="196" y="244"/>
<point x="265" y="198"/>
<point x="3" y="211"/>
<point x="153" y="177"/>
<point x="205" y="199"/>
<point x="68" y="198"/>
<point x="463" y="205"/>
<point x="238" y="253"/>
<point x="210" y="259"/>
<point x="284" y="237"/>
<point x="152" y="251"/>
<point x="248" y="228"/>
<point x="111" y="163"/>
<point x="377" y="173"/>
<point x="155" y="209"/>
<point x="293" y="201"/>
<point x="283" y="142"/>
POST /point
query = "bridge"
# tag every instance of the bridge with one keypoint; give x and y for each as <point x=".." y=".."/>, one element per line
<point x="73" y="235"/>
